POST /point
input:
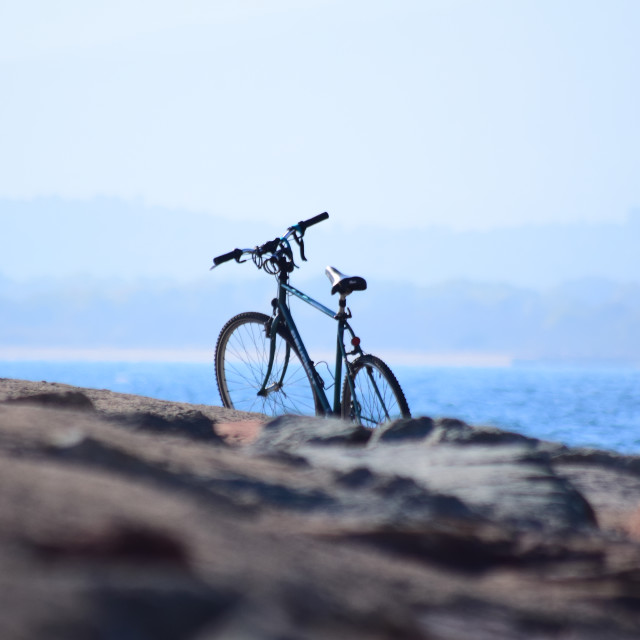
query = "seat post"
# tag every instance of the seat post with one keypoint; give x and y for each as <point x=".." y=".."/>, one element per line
<point x="342" y="304"/>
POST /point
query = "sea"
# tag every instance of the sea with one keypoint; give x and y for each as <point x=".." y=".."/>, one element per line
<point x="579" y="406"/>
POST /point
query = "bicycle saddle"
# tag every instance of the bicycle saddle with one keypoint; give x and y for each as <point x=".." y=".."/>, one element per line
<point x="344" y="284"/>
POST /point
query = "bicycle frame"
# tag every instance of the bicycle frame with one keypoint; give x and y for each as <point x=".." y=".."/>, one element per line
<point x="283" y="316"/>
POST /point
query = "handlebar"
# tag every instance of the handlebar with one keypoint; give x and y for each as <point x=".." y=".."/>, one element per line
<point x="236" y="253"/>
<point x="272" y="247"/>
<point x="304" y="224"/>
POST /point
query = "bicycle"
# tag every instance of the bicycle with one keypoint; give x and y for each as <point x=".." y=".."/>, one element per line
<point x="263" y="365"/>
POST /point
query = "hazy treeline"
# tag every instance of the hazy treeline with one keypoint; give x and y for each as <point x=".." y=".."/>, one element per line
<point x="110" y="273"/>
<point x="589" y="319"/>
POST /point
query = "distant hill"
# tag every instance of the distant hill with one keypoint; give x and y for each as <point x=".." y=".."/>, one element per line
<point x="112" y="238"/>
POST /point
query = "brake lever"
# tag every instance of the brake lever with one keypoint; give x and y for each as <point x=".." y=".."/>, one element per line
<point x="300" y="243"/>
<point x="289" y="254"/>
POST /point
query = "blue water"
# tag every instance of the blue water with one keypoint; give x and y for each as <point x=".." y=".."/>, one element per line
<point x="580" y="407"/>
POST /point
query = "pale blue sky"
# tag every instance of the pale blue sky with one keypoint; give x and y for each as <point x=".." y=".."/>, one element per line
<point x="469" y="114"/>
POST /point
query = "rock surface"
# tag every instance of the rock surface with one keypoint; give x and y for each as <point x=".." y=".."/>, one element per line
<point x="128" y="517"/>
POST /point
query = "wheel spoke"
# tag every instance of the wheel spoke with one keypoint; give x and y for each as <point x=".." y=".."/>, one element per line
<point x="242" y="360"/>
<point x="378" y="396"/>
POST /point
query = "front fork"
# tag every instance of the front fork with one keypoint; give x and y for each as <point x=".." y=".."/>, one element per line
<point x="271" y="332"/>
<point x="280" y="311"/>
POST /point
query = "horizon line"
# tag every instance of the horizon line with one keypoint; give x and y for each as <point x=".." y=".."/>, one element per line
<point x="393" y="357"/>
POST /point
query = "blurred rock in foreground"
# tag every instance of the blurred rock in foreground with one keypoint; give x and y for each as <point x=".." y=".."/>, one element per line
<point x="128" y="517"/>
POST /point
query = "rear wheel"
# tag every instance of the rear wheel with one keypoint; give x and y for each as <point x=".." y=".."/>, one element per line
<point x="242" y="359"/>
<point x="378" y="395"/>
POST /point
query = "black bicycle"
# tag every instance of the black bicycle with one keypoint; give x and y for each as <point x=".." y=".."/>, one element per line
<point x="262" y="364"/>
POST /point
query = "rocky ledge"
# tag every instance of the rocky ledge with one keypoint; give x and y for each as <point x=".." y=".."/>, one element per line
<point x="128" y="517"/>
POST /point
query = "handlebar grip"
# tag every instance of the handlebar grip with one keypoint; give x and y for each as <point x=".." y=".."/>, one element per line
<point x="303" y="224"/>
<point x="236" y="253"/>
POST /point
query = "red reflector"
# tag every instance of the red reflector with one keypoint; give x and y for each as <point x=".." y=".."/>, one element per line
<point x="355" y="341"/>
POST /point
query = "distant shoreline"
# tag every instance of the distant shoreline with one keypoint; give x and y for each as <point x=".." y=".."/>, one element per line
<point x="205" y="356"/>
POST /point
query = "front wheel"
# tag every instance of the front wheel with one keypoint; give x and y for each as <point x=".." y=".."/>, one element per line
<point x="242" y="360"/>
<point x="378" y="395"/>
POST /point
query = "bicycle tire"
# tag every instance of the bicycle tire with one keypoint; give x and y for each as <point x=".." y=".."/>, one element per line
<point x="369" y="372"/>
<point x="241" y="360"/>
